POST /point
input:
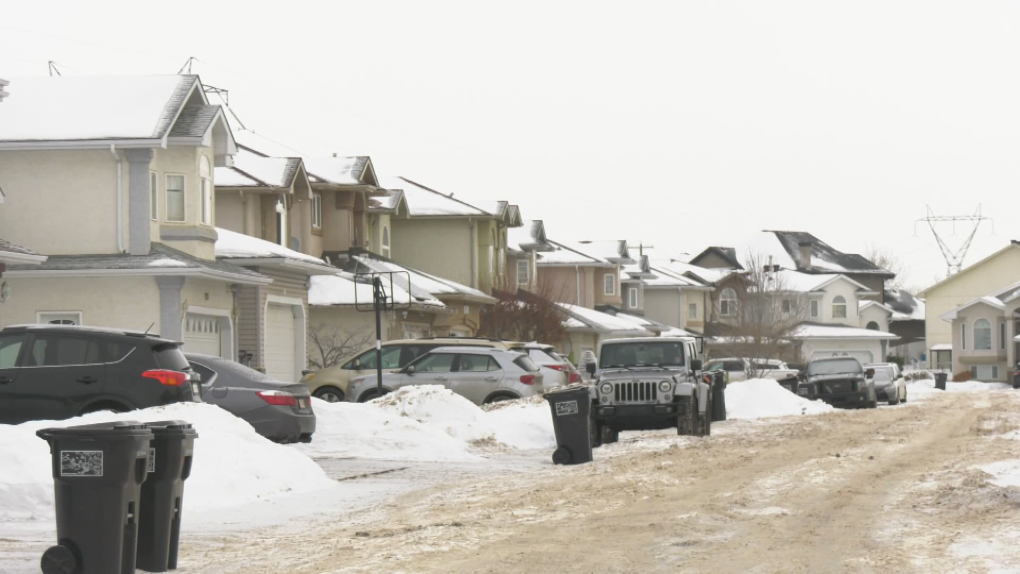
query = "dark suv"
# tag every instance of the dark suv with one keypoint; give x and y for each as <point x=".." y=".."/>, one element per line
<point x="60" y="371"/>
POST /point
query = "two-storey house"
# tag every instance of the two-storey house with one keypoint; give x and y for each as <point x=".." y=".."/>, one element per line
<point x="573" y="273"/>
<point x="113" y="179"/>
<point x="525" y="246"/>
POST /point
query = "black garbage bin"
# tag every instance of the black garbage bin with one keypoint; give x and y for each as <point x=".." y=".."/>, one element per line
<point x="98" y="472"/>
<point x="940" y="380"/>
<point x="719" y="396"/>
<point x="159" y="527"/>
<point x="571" y="414"/>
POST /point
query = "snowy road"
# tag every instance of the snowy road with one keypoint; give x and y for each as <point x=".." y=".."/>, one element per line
<point x="892" y="490"/>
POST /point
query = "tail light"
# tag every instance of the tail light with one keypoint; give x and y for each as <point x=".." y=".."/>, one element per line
<point x="278" y="398"/>
<point x="575" y="377"/>
<point x="556" y="367"/>
<point x="528" y="379"/>
<point x="166" y="378"/>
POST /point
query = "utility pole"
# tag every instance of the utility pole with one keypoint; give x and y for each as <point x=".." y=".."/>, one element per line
<point x="954" y="257"/>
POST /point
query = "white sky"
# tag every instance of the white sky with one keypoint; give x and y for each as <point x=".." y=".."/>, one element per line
<point x="681" y="124"/>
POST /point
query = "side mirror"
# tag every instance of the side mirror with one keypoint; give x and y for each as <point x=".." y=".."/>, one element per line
<point x="590" y="367"/>
<point x="409" y="370"/>
<point x="695" y="364"/>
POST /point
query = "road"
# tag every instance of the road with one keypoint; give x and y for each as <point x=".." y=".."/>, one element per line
<point x="887" y="490"/>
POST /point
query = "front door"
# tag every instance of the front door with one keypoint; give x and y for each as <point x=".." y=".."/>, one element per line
<point x="10" y="348"/>
<point x="59" y="376"/>
<point x="477" y="376"/>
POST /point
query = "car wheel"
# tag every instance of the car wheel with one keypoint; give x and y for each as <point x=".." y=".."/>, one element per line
<point x="103" y="407"/>
<point x="370" y="394"/>
<point x="329" y="394"/>
<point x="686" y="418"/>
<point x="499" y="399"/>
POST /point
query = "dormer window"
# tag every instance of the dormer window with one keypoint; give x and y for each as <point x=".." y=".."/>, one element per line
<point x="207" y="190"/>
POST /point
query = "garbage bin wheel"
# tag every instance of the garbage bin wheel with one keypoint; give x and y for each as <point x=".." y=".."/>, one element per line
<point x="610" y="435"/>
<point x="561" y="455"/>
<point x="687" y="416"/>
<point x="595" y="434"/>
<point x="59" y="560"/>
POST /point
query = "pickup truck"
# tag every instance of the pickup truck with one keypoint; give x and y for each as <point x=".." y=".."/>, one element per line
<point x="739" y="369"/>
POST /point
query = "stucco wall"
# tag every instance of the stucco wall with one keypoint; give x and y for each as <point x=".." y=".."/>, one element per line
<point x="876" y="314"/>
<point x="845" y="289"/>
<point x="561" y="284"/>
<point x="206" y="293"/>
<point x="230" y="211"/>
<point x="599" y="287"/>
<point x="665" y="306"/>
<point x="963" y="358"/>
<point x="123" y="302"/>
<point x="438" y="246"/>
<point x="997" y="273"/>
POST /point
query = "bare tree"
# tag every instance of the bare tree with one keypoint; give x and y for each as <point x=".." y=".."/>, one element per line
<point x="332" y="345"/>
<point x="525" y="316"/>
<point x="890" y="262"/>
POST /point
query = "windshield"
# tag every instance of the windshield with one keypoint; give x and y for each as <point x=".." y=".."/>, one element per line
<point x="642" y="355"/>
<point x="883" y="374"/>
<point x="835" y="367"/>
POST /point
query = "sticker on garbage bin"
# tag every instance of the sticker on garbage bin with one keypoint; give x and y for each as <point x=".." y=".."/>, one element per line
<point x="152" y="460"/>
<point x="566" y="408"/>
<point x="81" y="463"/>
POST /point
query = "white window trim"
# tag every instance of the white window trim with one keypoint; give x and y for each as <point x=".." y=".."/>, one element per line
<point x="184" y="196"/>
<point x="39" y="315"/>
<point x="609" y="287"/>
<point x="154" y="194"/>
<point x="632" y="297"/>
<point x="317" y="211"/>
<point x="846" y="307"/>
<point x="974" y="328"/>
<point x="525" y="275"/>
<point x="206" y="196"/>
<point x="1002" y="335"/>
<point x="692" y="311"/>
<point x="731" y="303"/>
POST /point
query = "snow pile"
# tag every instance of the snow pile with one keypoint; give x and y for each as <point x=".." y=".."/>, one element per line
<point x="426" y="423"/>
<point x="924" y="388"/>
<point x="233" y="465"/>
<point x="764" y="398"/>
<point x="1004" y="473"/>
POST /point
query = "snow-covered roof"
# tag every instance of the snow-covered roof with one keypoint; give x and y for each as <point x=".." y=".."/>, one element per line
<point x="812" y="331"/>
<point x="571" y="253"/>
<point x="655" y="327"/>
<point x="863" y="304"/>
<point x="905" y="307"/>
<point x="342" y="289"/>
<point x="77" y="108"/>
<point x="337" y="170"/>
<point x="426" y="202"/>
<point x="13" y="254"/>
<point x="530" y="236"/>
<point x="238" y="247"/>
<point x="782" y="248"/>
<point x="942" y="347"/>
<point x="676" y="267"/>
<point x="602" y="322"/>
<point x="986" y="300"/>
<point x="251" y="169"/>
<point x="389" y="202"/>
<point x="423" y="285"/>
<point x="614" y="250"/>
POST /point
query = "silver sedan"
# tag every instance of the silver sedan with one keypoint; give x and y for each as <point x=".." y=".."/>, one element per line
<point x="478" y="374"/>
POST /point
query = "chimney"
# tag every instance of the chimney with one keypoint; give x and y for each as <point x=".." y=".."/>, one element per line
<point x="805" y="254"/>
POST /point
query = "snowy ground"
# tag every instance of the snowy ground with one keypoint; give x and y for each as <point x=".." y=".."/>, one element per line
<point x="423" y="474"/>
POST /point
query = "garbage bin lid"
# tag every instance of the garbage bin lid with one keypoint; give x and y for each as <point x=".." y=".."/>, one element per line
<point x="113" y="430"/>
<point x="171" y="428"/>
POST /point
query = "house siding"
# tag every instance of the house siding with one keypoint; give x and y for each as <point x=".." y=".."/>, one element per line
<point x="438" y="246"/>
<point x="116" y="302"/>
<point x="876" y="314"/>
<point x="964" y="359"/>
<point x="249" y="321"/>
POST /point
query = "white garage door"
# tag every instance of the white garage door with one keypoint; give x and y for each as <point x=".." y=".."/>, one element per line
<point x="864" y="357"/>
<point x="281" y="354"/>
<point x="202" y="334"/>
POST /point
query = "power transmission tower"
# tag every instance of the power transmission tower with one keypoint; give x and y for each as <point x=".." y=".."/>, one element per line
<point x="53" y="68"/>
<point x="954" y="257"/>
<point x="186" y="66"/>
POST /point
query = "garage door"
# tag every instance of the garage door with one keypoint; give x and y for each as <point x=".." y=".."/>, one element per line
<point x="864" y="357"/>
<point x="202" y="334"/>
<point x="281" y="355"/>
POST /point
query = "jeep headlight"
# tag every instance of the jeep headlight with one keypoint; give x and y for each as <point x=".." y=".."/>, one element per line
<point x="665" y="386"/>
<point x="606" y="388"/>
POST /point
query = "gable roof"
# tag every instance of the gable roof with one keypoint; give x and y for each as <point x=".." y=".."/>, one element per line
<point x="816" y="331"/>
<point x="389" y="202"/>
<point x="701" y="275"/>
<point x="246" y="250"/>
<point x="613" y="250"/>
<point x="423" y="285"/>
<point x="252" y="169"/>
<point x="424" y="201"/>
<point x="13" y="254"/>
<point x="863" y="304"/>
<point x="570" y="254"/>
<point x="808" y="282"/>
<point x="585" y="319"/>
<point x="343" y="289"/>
<point x="529" y="236"/>
<point x="992" y="302"/>
<point x="727" y="254"/>
<point x="824" y="258"/>
<point x="905" y="307"/>
<point x="970" y="268"/>
<point x="99" y="110"/>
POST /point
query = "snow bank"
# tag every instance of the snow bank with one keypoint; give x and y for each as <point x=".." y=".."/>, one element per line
<point x="426" y="423"/>
<point x="233" y="465"/>
<point x="764" y="398"/>
<point x="924" y="388"/>
<point x="1004" y="473"/>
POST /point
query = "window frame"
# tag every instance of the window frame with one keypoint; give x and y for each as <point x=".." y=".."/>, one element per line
<point x="526" y="274"/>
<point x="816" y="308"/>
<point x="154" y="195"/>
<point x="839" y="301"/>
<point x="184" y="197"/>
<point x="1002" y="335"/>
<point x="974" y="328"/>
<point x="40" y="314"/>
<point x="317" y="211"/>
<point x="609" y="284"/>
<point x="385" y="247"/>
<point x="963" y="336"/>
<point x="692" y="311"/>
<point x="206" y="191"/>
<point x="632" y="297"/>
<point x="727" y="302"/>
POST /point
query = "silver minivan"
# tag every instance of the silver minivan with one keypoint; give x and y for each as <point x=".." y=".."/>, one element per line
<point x="479" y="374"/>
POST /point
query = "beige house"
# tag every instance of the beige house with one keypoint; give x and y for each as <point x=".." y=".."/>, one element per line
<point x="676" y="296"/>
<point x="525" y="246"/>
<point x="570" y="274"/>
<point x="135" y="247"/>
<point x="984" y="339"/>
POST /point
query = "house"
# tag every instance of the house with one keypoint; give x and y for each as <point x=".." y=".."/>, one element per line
<point x="450" y="237"/>
<point x="13" y="254"/>
<point x="586" y="328"/>
<point x="814" y="341"/>
<point x="677" y="296"/>
<point x="572" y="273"/>
<point x="135" y="249"/>
<point x="525" y="246"/>
<point x="984" y="335"/>
<point x="998" y="271"/>
<point x="903" y="315"/>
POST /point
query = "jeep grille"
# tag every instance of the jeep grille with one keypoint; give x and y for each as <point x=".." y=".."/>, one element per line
<point x="636" y="392"/>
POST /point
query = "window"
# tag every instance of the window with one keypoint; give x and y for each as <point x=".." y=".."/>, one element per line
<point x="317" y="212"/>
<point x="872" y="326"/>
<point x="281" y="222"/>
<point x="814" y="309"/>
<point x="175" y="198"/>
<point x="385" y="241"/>
<point x="502" y="261"/>
<point x="632" y="297"/>
<point x="58" y="318"/>
<point x="984" y="372"/>
<point x="366" y="361"/>
<point x="477" y="364"/>
<point x="838" y="307"/>
<point x="435" y="363"/>
<point x="692" y="310"/>
<point x="492" y="255"/>
<point x="728" y="302"/>
<point x="963" y="335"/>
<point x="786" y="305"/>
<point x="522" y="272"/>
<point x="10" y="347"/>
<point x="609" y="283"/>
<point x="154" y="195"/>
<point x="207" y="190"/>
<point x="57" y="350"/>
<point x="982" y="335"/>
<point x="1002" y="336"/>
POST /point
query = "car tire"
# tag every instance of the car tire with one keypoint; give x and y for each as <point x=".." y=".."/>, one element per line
<point x="104" y="407"/>
<point x="904" y="396"/>
<point x="370" y="394"/>
<point x="609" y="435"/>
<point x="499" y="399"/>
<point x="329" y="394"/>
<point x="686" y="418"/>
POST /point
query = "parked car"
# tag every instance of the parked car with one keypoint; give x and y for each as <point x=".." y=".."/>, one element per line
<point x="889" y="384"/>
<point x="842" y="382"/>
<point x="332" y="384"/>
<point x="62" y="371"/>
<point x="278" y="411"/>
<point x="556" y="369"/>
<point x="479" y="374"/>
<point x="740" y="369"/>
<point x="736" y="369"/>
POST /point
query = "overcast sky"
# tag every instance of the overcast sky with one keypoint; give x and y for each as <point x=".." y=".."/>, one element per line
<point x="680" y="124"/>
